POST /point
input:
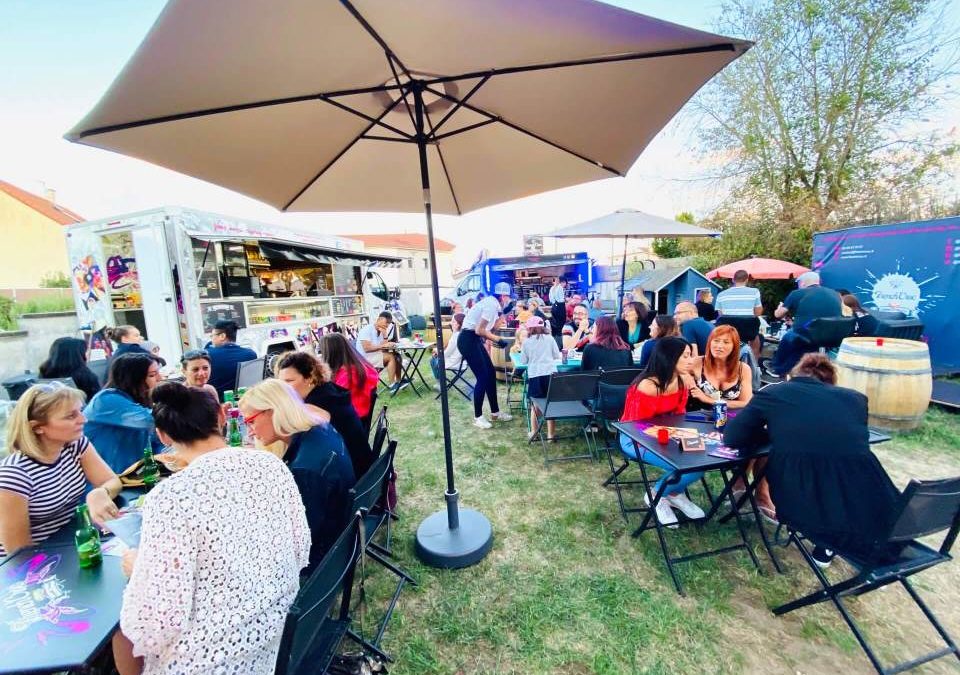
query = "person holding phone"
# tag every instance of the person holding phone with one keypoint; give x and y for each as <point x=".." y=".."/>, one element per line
<point x="478" y="326"/>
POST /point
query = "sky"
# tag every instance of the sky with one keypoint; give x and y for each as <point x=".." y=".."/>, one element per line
<point x="59" y="56"/>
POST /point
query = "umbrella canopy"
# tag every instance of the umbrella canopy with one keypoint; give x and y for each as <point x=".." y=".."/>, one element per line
<point x="318" y="105"/>
<point x="633" y="224"/>
<point x="294" y="102"/>
<point x="759" y="268"/>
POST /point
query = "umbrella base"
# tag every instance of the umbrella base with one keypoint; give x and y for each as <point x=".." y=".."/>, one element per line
<point x="439" y="546"/>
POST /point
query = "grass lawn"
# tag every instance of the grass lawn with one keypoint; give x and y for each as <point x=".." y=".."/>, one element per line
<point x="567" y="589"/>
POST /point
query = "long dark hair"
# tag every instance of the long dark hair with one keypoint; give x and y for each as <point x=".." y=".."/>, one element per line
<point x="339" y="354"/>
<point x="640" y="309"/>
<point x="128" y="373"/>
<point x="66" y="355"/>
<point x="185" y="414"/>
<point x="606" y="335"/>
<point x="662" y="366"/>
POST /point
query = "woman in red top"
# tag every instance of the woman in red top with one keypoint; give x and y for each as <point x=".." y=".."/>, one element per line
<point x="350" y="371"/>
<point x="662" y="389"/>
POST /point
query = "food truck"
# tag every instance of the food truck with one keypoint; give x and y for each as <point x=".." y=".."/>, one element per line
<point x="525" y="274"/>
<point x="174" y="272"/>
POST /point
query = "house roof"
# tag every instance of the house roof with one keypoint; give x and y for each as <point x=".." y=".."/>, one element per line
<point x="656" y="279"/>
<point x="411" y="242"/>
<point x="43" y="206"/>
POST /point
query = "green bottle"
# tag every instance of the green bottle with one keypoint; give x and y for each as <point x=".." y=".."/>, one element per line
<point x="228" y="398"/>
<point x="87" y="539"/>
<point x="234" y="437"/>
<point x="150" y="471"/>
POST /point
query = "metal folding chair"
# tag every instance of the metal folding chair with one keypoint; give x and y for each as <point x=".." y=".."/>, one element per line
<point x="926" y="507"/>
<point x="457" y="381"/>
<point x="565" y="399"/>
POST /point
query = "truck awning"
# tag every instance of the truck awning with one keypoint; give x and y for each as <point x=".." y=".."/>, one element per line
<point x="527" y="264"/>
<point x="275" y="249"/>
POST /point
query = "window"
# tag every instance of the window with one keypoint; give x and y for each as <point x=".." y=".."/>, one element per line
<point x="426" y="263"/>
<point x="410" y="263"/>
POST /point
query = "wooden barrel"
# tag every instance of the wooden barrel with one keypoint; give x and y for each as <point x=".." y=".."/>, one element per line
<point x="895" y="377"/>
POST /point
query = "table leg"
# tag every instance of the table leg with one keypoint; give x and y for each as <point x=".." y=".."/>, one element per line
<point x="416" y="369"/>
<point x="728" y="489"/>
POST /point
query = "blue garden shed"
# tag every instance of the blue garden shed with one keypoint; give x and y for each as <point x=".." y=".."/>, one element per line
<point x="667" y="286"/>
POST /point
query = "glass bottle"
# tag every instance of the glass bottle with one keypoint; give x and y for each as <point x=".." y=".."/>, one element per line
<point x="150" y="471"/>
<point x="234" y="437"/>
<point x="87" y="539"/>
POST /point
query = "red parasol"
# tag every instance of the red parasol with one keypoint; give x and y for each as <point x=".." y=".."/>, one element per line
<point x="759" y="268"/>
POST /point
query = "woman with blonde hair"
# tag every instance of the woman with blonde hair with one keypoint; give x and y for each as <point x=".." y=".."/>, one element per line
<point x="314" y="452"/>
<point x="310" y="377"/>
<point x="43" y="478"/>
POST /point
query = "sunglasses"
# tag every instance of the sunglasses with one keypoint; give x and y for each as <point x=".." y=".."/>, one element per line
<point x="196" y="354"/>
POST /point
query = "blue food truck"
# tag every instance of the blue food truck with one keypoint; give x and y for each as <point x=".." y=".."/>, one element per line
<point x="525" y="274"/>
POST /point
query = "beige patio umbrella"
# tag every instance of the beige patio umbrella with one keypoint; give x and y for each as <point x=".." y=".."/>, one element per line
<point x="406" y="105"/>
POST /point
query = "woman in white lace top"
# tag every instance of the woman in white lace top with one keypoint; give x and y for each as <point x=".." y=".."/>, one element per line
<point x="221" y="550"/>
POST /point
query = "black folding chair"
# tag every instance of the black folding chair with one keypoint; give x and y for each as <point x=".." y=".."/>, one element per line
<point x="369" y="497"/>
<point x="311" y="634"/>
<point x="609" y="409"/>
<point x="381" y="432"/>
<point x="926" y="507"/>
<point x="565" y="398"/>
<point x="456" y="380"/>
<point x="368" y="418"/>
<point x="828" y="333"/>
<point x="100" y="368"/>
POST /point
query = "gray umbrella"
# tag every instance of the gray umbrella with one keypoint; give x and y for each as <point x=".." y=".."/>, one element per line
<point x="318" y="105"/>
<point x="630" y="224"/>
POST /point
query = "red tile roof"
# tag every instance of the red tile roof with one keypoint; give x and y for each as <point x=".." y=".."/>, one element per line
<point x="412" y="242"/>
<point x="45" y="207"/>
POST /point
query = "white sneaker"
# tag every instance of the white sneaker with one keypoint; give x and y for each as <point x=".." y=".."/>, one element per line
<point x="687" y="508"/>
<point x="482" y="422"/>
<point x="502" y="416"/>
<point x="664" y="513"/>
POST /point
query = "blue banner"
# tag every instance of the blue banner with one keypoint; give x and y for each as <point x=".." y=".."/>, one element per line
<point x="912" y="268"/>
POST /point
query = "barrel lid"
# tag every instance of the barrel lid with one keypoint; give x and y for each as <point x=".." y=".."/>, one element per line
<point x="890" y="346"/>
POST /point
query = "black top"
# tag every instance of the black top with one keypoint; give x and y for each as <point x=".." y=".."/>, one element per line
<point x="343" y="416"/>
<point x="83" y="377"/>
<point x="324" y="477"/>
<point x="706" y="310"/>
<point x="595" y="356"/>
<point x="823" y="477"/>
<point x="812" y="302"/>
<point x="624" y="329"/>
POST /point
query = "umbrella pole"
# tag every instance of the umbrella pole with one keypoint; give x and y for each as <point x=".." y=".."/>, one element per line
<point x="456" y="537"/>
<point x="623" y="277"/>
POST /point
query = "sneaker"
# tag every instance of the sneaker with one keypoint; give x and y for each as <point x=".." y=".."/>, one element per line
<point x="664" y="513"/>
<point x="482" y="422"/>
<point x="394" y="388"/>
<point x="822" y="557"/>
<point x="765" y="369"/>
<point x="687" y="508"/>
<point x="502" y="416"/>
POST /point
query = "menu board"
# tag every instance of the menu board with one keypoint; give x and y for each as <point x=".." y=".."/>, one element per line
<point x="344" y="280"/>
<point x="222" y="311"/>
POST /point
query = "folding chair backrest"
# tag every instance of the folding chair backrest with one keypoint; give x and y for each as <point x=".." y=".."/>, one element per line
<point x="66" y="381"/>
<point x="249" y="373"/>
<point x="100" y="368"/>
<point x="747" y="356"/>
<point x="830" y="332"/>
<point x="905" y="329"/>
<point x="610" y="399"/>
<point x="620" y="376"/>
<point x="572" y="387"/>
<point x="381" y="433"/>
<point x="371" y="488"/>
<point x="928" y="507"/>
<point x="368" y="418"/>
<point x="744" y="325"/>
<point x="310" y="611"/>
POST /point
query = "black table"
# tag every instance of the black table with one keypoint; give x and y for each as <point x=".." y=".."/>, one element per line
<point x="54" y="615"/>
<point x="410" y="367"/>
<point x="731" y="470"/>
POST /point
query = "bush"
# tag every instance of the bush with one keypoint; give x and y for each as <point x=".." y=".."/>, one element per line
<point x="8" y="314"/>
<point x="42" y="305"/>
<point x="55" y="280"/>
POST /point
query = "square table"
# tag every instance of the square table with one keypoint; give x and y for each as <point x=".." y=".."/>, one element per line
<point x="410" y="367"/>
<point x="695" y="462"/>
<point x="55" y="615"/>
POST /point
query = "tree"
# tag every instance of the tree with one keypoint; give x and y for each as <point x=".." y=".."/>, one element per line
<point x="671" y="248"/>
<point x="819" y="117"/>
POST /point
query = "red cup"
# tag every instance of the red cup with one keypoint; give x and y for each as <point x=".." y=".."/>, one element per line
<point x="879" y="342"/>
<point x="663" y="436"/>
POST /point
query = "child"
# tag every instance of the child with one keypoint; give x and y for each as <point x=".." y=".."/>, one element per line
<point x="539" y="353"/>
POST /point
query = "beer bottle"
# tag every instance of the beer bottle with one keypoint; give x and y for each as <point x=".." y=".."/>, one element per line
<point x="150" y="471"/>
<point x="87" y="539"/>
<point x="234" y="437"/>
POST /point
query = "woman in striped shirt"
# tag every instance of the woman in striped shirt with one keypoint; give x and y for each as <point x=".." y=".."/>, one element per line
<point x="44" y="477"/>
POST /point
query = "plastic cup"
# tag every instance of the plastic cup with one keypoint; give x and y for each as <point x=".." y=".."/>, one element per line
<point x="663" y="436"/>
<point x="879" y="342"/>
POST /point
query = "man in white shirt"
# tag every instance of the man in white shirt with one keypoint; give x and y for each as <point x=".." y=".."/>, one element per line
<point x="373" y="343"/>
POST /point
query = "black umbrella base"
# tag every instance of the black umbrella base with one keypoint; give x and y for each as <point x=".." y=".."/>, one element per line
<point x="439" y="546"/>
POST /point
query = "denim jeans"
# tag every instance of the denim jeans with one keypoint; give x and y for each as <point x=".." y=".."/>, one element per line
<point x="435" y="367"/>
<point x="792" y="348"/>
<point x="626" y="444"/>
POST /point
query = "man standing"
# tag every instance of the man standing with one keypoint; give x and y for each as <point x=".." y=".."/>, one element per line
<point x="226" y="355"/>
<point x="558" y="307"/>
<point x="373" y="342"/>
<point x="694" y="329"/>
<point x="740" y="307"/>
<point x="810" y="301"/>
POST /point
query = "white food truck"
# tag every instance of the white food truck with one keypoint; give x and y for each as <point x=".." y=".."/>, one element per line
<point x="174" y="272"/>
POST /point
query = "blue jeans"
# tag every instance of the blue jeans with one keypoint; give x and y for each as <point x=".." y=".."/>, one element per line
<point x="628" y="448"/>
<point x="435" y="367"/>
<point x="792" y="348"/>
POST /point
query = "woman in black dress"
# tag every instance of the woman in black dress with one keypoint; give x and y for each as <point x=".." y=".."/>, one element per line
<point x="824" y="479"/>
<point x="68" y="358"/>
<point x="310" y="376"/>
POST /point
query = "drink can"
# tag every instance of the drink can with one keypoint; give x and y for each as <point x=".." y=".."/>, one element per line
<point x="720" y="414"/>
<point x="563" y="355"/>
<point x="228" y="396"/>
